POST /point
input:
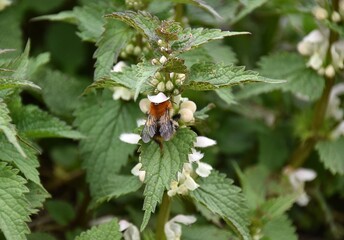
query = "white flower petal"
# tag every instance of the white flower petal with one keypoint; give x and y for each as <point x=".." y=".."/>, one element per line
<point x="119" y="67"/>
<point x="185" y="219"/>
<point x="123" y="225"/>
<point x="203" y="142"/>
<point x="173" y="231"/>
<point x="304" y="174"/>
<point x="140" y="122"/>
<point x="190" y="183"/>
<point x="122" y="93"/>
<point x="204" y="169"/>
<point x="132" y="233"/>
<point x="131" y="138"/>
<point x="195" y="156"/>
<point x="303" y="199"/>
<point x="136" y="170"/>
<point x="159" y="98"/>
<point x="142" y="175"/>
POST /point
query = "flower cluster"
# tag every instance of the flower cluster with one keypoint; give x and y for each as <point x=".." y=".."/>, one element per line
<point x="185" y="179"/>
<point x="135" y="4"/>
<point x="121" y="92"/>
<point x="335" y="110"/>
<point x="167" y="82"/>
<point x="134" y="50"/>
<point x="297" y="179"/>
<point x="322" y="13"/>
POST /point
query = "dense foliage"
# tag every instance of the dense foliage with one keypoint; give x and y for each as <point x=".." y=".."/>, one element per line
<point x="174" y="119"/>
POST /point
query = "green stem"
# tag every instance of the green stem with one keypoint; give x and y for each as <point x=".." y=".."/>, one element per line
<point x="302" y="152"/>
<point x="179" y="13"/>
<point x="163" y="216"/>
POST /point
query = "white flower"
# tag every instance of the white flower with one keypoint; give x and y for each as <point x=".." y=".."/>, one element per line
<point x="335" y="17"/>
<point x="4" y="4"/>
<point x="338" y="131"/>
<point x="163" y="59"/>
<point x="173" y="229"/>
<point x="131" y="138"/>
<point x="119" y="67"/>
<point x="203" y="169"/>
<point x="101" y="220"/>
<point x="159" y="98"/>
<point x="140" y="122"/>
<point x="315" y="45"/>
<point x="137" y="172"/>
<point x="297" y="179"/>
<point x="203" y="142"/>
<point x="144" y="105"/>
<point x="189" y="105"/>
<point x="320" y="13"/>
<point x="186" y="115"/>
<point x="337" y="53"/>
<point x="333" y="109"/>
<point x="131" y="232"/>
<point x="185" y="182"/>
<point x="330" y="71"/>
<point x="122" y="93"/>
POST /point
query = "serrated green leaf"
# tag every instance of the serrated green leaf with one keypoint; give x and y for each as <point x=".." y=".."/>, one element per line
<point x="142" y="21"/>
<point x="27" y="165"/>
<point x="226" y="95"/>
<point x="291" y="67"/>
<point x="331" y="154"/>
<point x="33" y="122"/>
<point x="36" y="196"/>
<point x="102" y="120"/>
<point x="210" y="76"/>
<point x="280" y="228"/>
<point x="8" y="128"/>
<point x="36" y="63"/>
<point x="60" y="92"/>
<point x="114" y="38"/>
<point x="195" y="232"/>
<point x="113" y="187"/>
<point x="8" y="83"/>
<point x="104" y="231"/>
<point x="15" y="209"/>
<point x="219" y="194"/>
<point x="192" y="38"/>
<point x="161" y="167"/>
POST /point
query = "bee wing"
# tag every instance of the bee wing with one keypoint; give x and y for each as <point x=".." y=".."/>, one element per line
<point x="149" y="129"/>
<point x="166" y="129"/>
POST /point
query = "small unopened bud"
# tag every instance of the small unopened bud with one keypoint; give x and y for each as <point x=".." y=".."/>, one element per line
<point x="189" y="105"/>
<point x="172" y="75"/>
<point x="144" y="105"/>
<point x="160" y="42"/>
<point x="163" y="49"/>
<point x="178" y="82"/>
<point x="321" y="71"/>
<point x="169" y="85"/>
<point x="176" y="92"/>
<point x="123" y="54"/>
<point x="163" y="59"/>
<point x="186" y="115"/>
<point x="335" y="17"/>
<point x="329" y="71"/>
<point x="137" y="51"/>
<point x="154" y="61"/>
<point x="158" y="75"/>
<point x="161" y="87"/>
<point x="320" y="13"/>
<point x="129" y="48"/>
<point x="145" y="50"/>
<point x="154" y="81"/>
<point x="181" y="76"/>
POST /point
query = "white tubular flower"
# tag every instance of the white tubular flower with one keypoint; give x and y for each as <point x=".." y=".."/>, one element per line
<point x="338" y="131"/>
<point x="140" y="122"/>
<point x="131" y="138"/>
<point x="297" y="179"/>
<point x="203" y="169"/>
<point x="159" y="98"/>
<point x="185" y="182"/>
<point x="122" y="93"/>
<point x="335" y="17"/>
<point x="119" y="67"/>
<point x="337" y="53"/>
<point x="315" y="45"/>
<point x="333" y="109"/>
<point x="203" y="142"/>
<point x="4" y="4"/>
<point x="173" y="229"/>
<point x="163" y="59"/>
<point x="186" y="115"/>
<point x="330" y="71"/>
<point x="130" y="231"/>
<point x="189" y="105"/>
<point x="139" y="173"/>
<point x="320" y="13"/>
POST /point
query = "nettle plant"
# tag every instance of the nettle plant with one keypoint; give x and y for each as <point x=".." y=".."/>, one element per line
<point x="170" y="163"/>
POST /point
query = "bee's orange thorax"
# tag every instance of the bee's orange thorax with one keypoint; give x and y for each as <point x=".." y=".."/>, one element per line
<point x="157" y="110"/>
